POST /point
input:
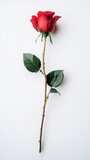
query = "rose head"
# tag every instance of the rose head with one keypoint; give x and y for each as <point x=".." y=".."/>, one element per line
<point x="45" y="21"/>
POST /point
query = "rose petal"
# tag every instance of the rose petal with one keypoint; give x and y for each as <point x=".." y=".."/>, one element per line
<point x="34" y="22"/>
<point x="49" y="14"/>
<point x="52" y="23"/>
<point x="42" y="23"/>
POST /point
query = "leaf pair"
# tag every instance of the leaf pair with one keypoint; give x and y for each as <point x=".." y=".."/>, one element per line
<point x="33" y="64"/>
<point x="54" y="79"/>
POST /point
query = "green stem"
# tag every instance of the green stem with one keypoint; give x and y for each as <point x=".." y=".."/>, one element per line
<point x="45" y="95"/>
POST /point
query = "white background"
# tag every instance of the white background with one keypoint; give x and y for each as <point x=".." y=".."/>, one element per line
<point x="66" y="134"/>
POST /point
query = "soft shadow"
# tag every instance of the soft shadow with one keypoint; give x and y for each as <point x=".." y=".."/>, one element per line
<point x="57" y="29"/>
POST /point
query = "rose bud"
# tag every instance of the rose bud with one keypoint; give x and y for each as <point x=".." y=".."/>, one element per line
<point x="45" y="21"/>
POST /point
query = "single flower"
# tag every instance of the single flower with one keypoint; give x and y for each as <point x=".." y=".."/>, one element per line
<point x="45" y="21"/>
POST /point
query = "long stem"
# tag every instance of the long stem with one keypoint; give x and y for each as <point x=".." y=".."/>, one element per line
<point x="45" y="95"/>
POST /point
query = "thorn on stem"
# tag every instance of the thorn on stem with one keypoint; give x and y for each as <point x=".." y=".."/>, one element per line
<point x="43" y="115"/>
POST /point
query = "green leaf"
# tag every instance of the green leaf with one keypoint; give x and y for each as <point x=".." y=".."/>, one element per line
<point x="53" y="90"/>
<point x="55" y="78"/>
<point x="31" y="62"/>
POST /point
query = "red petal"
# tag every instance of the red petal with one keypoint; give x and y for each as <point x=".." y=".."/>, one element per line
<point x="52" y="23"/>
<point x="42" y="23"/>
<point x="49" y="14"/>
<point x="34" y="22"/>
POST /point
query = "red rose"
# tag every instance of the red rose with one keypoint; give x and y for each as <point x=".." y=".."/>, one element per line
<point x="45" y="21"/>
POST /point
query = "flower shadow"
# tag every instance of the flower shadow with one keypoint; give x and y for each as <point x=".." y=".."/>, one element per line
<point x="56" y="30"/>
